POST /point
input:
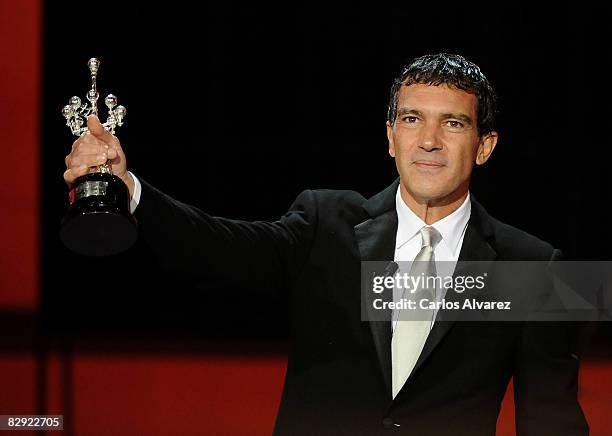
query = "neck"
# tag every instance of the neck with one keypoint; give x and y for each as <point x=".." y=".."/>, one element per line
<point x="432" y="210"/>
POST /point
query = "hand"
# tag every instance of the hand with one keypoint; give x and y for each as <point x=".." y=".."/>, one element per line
<point x="93" y="149"/>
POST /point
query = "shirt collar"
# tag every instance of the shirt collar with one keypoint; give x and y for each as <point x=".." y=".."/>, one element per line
<point x="451" y="227"/>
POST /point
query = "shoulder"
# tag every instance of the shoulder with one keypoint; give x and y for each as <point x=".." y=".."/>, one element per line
<point x="338" y="198"/>
<point x="512" y="243"/>
<point x="331" y="204"/>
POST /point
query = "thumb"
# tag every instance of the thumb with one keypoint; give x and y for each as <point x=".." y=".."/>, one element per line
<point x="96" y="129"/>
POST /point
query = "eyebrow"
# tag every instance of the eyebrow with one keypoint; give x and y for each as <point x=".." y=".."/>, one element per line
<point x="407" y="111"/>
<point x="459" y="116"/>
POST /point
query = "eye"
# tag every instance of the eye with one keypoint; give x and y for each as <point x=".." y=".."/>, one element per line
<point x="410" y="119"/>
<point x="454" y="124"/>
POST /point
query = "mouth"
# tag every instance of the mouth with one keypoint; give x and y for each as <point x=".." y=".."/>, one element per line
<point x="427" y="164"/>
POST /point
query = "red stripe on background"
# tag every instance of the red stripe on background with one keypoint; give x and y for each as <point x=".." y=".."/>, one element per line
<point x="181" y="395"/>
<point x="20" y="47"/>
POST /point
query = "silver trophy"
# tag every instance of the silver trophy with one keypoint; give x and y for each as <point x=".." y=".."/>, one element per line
<point x="98" y="221"/>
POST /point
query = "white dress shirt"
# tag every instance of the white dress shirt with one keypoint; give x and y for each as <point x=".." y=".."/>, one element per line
<point x="136" y="196"/>
<point x="408" y="239"/>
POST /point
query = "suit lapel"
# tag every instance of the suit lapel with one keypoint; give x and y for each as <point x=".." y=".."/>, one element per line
<point x="475" y="248"/>
<point x="376" y="240"/>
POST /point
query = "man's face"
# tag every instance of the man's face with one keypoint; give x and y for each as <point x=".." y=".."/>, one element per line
<point x="435" y="142"/>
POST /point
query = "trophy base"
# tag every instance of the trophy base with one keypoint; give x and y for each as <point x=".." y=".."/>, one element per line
<point x="98" y="221"/>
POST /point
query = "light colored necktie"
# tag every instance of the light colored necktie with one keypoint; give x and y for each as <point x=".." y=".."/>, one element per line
<point x="409" y="335"/>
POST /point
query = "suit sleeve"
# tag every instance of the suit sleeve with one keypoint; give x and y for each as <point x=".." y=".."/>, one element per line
<point x="546" y="380"/>
<point x="195" y="245"/>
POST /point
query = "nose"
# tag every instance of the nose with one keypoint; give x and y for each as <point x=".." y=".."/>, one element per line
<point x="429" y="138"/>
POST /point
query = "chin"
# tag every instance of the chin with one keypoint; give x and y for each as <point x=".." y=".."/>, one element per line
<point x="425" y="192"/>
<point x="426" y="195"/>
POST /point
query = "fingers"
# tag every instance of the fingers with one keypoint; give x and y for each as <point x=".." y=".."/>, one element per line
<point x="112" y="153"/>
<point x="89" y="142"/>
<point x="90" y="160"/>
<point x="89" y="145"/>
<point x="85" y="149"/>
<point x="78" y="165"/>
<point x="71" y="174"/>
<point x="92" y="149"/>
<point x="97" y="130"/>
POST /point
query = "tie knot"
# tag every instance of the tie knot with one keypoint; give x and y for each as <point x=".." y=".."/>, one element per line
<point x="430" y="237"/>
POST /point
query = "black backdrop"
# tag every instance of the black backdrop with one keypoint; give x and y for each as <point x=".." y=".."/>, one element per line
<point x="236" y="109"/>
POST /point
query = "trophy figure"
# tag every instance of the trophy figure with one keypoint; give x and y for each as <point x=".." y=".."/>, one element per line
<point x="98" y="221"/>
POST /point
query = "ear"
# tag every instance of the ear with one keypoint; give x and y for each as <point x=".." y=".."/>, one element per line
<point x="486" y="147"/>
<point x="390" y="139"/>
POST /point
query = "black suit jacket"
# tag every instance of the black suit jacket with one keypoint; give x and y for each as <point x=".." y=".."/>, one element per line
<point x="338" y="378"/>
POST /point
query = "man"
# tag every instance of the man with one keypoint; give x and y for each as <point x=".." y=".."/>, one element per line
<point x="346" y="376"/>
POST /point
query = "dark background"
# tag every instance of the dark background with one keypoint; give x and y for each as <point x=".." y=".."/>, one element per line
<point x="236" y="109"/>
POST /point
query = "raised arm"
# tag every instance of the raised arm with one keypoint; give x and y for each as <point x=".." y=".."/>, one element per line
<point x="194" y="244"/>
<point x="189" y="241"/>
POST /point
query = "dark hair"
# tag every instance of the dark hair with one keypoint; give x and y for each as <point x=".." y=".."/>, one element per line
<point x="452" y="70"/>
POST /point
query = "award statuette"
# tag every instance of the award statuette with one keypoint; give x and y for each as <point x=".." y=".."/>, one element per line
<point x="98" y="221"/>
